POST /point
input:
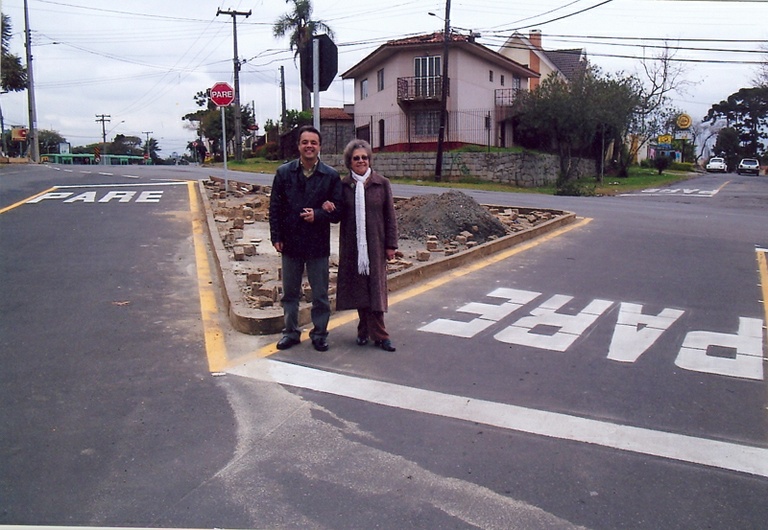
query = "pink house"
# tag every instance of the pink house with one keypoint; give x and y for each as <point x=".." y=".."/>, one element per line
<point x="398" y="92"/>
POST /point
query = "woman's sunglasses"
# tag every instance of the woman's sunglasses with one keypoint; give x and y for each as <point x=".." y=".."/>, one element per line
<point x="358" y="158"/>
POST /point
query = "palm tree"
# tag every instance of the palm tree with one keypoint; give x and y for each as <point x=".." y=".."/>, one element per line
<point x="300" y="27"/>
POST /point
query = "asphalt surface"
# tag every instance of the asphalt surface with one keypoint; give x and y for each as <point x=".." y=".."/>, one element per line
<point x="534" y="390"/>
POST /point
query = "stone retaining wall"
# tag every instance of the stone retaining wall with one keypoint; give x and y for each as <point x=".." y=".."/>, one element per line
<point x="525" y="169"/>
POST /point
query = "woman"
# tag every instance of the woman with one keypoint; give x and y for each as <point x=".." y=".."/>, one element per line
<point x="367" y="239"/>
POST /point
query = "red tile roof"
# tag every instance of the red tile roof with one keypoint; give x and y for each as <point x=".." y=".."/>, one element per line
<point x="330" y="113"/>
<point x="432" y="38"/>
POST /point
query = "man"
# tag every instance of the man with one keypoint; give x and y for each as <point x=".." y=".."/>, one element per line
<point x="301" y="231"/>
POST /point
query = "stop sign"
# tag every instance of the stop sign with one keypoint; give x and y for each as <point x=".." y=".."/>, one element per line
<point x="222" y="94"/>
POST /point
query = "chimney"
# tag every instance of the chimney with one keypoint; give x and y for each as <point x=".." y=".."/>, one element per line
<point x="535" y="38"/>
<point x="534" y="62"/>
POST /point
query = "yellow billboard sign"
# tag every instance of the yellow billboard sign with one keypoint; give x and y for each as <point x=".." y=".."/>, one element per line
<point x="683" y="121"/>
<point x="18" y="134"/>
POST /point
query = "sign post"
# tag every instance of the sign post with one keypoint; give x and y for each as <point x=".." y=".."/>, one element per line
<point x="222" y="95"/>
<point x="319" y="68"/>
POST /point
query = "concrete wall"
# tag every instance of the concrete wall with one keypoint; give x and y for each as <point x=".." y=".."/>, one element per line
<point x="521" y="169"/>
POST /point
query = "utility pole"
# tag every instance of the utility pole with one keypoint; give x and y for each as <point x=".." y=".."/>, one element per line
<point x="32" y="137"/>
<point x="284" y="114"/>
<point x="444" y="93"/>
<point x="103" y="118"/>
<point x="146" y="144"/>
<point x="238" y="125"/>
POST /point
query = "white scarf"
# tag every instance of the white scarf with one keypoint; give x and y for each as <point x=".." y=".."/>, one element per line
<point x="363" y="264"/>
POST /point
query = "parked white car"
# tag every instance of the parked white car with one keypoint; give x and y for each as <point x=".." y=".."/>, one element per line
<point x="748" y="165"/>
<point x="717" y="164"/>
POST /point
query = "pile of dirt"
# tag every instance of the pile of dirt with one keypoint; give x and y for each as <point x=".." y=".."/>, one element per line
<point x="445" y="216"/>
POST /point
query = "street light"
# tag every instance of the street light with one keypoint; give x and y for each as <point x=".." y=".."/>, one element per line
<point x="115" y="127"/>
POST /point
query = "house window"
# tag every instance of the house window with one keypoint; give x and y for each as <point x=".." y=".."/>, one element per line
<point x="501" y="79"/>
<point x="427" y="73"/>
<point x="490" y="76"/>
<point x="427" y="123"/>
<point x="516" y="83"/>
<point x="380" y="80"/>
<point x="363" y="89"/>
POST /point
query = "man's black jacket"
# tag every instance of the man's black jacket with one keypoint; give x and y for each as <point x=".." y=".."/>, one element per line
<point x="291" y="193"/>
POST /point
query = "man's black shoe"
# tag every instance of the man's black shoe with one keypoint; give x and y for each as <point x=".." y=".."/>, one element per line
<point x="385" y="345"/>
<point x="286" y="342"/>
<point x="320" y="344"/>
<point x="362" y="341"/>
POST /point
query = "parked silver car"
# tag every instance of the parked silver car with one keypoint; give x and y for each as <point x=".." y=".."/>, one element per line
<point x="717" y="164"/>
<point x="748" y="165"/>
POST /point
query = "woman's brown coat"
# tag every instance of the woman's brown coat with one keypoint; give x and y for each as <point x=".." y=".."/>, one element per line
<point x="354" y="290"/>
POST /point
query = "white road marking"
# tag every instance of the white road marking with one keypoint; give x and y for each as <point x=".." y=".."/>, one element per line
<point x="569" y="327"/>
<point x="636" y="332"/>
<point x="748" y="343"/>
<point x="489" y="314"/>
<point x="713" y="453"/>
<point x="167" y="183"/>
<point x="546" y="328"/>
<point x="666" y="192"/>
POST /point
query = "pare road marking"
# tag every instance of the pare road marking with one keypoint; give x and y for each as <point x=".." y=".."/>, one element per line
<point x="97" y="195"/>
<point x="548" y="327"/>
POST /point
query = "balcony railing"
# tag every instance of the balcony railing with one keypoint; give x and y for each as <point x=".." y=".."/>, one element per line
<point x="505" y="97"/>
<point x="415" y="89"/>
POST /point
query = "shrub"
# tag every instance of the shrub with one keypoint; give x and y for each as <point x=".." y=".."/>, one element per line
<point x="682" y="166"/>
<point x="661" y="163"/>
<point x="574" y="188"/>
<point x="269" y="151"/>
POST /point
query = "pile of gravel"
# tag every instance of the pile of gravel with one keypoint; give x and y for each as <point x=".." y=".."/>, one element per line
<point x="445" y="216"/>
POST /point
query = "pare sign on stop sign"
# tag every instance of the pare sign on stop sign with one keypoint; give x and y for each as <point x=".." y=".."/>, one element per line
<point x="222" y="94"/>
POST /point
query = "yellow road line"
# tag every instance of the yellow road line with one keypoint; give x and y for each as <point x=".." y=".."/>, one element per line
<point x="721" y="187"/>
<point x="762" y="268"/>
<point x="348" y="316"/>
<point x="12" y="206"/>
<point x="209" y="310"/>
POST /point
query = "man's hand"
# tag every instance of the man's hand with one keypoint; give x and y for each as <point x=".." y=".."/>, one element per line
<point x="278" y="246"/>
<point x="328" y="206"/>
<point x="308" y="214"/>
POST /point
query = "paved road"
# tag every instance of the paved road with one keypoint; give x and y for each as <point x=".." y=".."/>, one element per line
<point x="610" y="376"/>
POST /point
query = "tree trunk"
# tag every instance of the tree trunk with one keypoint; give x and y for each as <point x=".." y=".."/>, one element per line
<point x="306" y="102"/>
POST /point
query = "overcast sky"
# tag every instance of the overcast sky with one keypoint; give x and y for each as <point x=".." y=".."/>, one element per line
<point x="142" y="62"/>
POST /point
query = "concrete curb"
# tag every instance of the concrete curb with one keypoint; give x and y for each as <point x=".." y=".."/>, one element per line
<point x="255" y="322"/>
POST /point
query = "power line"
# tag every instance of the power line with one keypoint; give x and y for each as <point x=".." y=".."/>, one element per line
<point x="506" y="45"/>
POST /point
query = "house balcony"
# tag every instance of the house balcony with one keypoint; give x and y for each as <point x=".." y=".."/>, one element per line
<point x="505" y="100"/>
<point x="505" y="97"/>
<point x="415" y="90"/>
